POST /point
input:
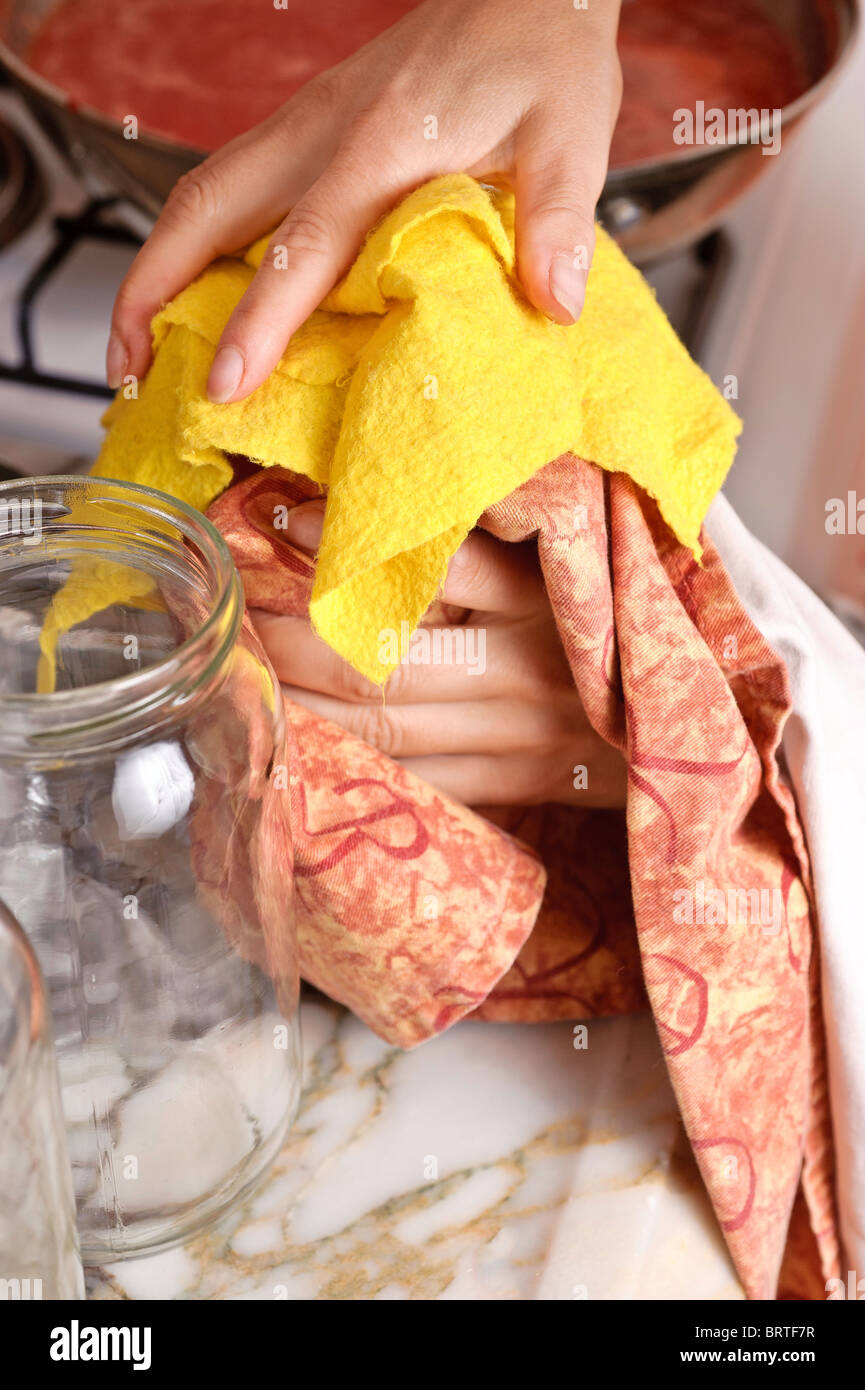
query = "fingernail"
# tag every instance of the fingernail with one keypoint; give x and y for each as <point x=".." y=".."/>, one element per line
<point x="302" y="526"/>
<point x="225" y="375"/>
<point x="568" y="284"/>
<point x="116" y="358"/>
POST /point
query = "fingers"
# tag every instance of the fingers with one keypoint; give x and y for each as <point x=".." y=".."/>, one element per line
<point x="300" y="658"/>
<point x="561" y="163"/>
<point x="443" y="728"/>
<point x="498" y="659"/>
<point x="311" y="249"/>
<point x="215" y="209"/>
<point x="472" y="781"/>
<point x="492" y="576"/>
<point x="485" y="575"/>
<point x="523" y="779"/>
<point x="303" y="525"/>
<point x="461" y="664"/>
<point x="484" y="780"/>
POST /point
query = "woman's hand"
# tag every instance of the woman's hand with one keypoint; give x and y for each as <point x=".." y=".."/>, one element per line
<point x="527" y="92"/>
<point x="504" y="726"/>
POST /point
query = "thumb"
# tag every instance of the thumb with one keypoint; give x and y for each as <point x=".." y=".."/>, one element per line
<point x="557" y="187"/>
<point x="303" y="525"/>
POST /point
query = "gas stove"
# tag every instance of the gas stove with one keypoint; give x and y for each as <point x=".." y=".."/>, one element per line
<point x="62" y="257"/>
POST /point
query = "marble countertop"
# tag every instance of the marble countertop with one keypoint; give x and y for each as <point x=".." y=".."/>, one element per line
<point x="498" y="1161"/>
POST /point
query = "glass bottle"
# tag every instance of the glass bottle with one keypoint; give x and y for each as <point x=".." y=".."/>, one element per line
<point x="145" y="848"/>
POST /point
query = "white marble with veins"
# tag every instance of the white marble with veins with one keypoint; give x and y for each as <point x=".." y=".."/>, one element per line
<point x="495" y="1162"/>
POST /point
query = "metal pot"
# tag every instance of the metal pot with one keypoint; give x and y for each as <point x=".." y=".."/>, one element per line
<point x="657" y="207"/>
<point x="653" y="208"/>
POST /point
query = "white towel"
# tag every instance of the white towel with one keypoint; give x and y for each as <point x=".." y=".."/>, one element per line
<point x="824" y="749"/>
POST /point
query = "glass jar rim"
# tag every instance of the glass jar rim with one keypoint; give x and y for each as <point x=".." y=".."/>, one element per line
<point x="119" y="698"/>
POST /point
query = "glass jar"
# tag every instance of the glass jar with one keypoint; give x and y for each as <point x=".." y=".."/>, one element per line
<point x="145" y="848"/>
<point x="38" y="1241"/>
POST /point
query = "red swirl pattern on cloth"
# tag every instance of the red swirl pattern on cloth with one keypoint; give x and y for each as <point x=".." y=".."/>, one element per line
<point x="736" y="1164"/>
<point x="413" y="932"/>
<point x="681" y="1000"/>
<point x="393" y="808"/>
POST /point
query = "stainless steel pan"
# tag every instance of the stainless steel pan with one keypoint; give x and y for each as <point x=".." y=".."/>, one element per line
<point x="653" y="208"/>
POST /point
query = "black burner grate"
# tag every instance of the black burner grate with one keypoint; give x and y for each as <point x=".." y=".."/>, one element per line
<point x="93" y="223"/>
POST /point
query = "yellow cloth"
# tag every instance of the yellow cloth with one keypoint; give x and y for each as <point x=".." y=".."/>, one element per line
<point x="423" y="390"/>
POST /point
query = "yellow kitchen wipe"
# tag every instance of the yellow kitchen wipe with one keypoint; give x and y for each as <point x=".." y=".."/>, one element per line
<point x="423" y="390"/>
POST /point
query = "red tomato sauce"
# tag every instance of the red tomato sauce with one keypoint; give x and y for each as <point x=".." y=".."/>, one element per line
<point x="674" y="53"/>
<point x="203" y="71"/>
